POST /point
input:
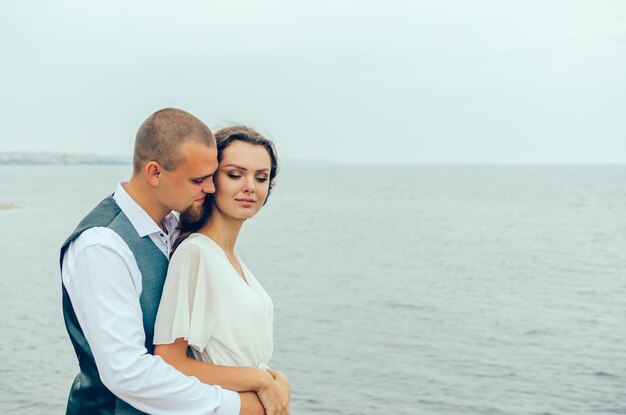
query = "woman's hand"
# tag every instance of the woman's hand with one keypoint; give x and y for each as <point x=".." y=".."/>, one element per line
<point x="282" y="381"/>
<point x="274" y="396"/>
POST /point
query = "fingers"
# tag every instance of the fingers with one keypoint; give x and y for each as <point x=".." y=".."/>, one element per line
<point x="274" y="399"/>
<point x="274" y="373"/>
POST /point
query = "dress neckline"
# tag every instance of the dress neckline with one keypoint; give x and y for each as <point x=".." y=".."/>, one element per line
<point x="243" y="278"/>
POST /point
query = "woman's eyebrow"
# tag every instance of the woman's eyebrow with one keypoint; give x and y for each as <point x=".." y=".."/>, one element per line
<point x="244" y="169"/>
<point x="234" y="165"/>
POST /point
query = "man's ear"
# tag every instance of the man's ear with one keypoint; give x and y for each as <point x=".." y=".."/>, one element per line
<point x="153" y="172"/>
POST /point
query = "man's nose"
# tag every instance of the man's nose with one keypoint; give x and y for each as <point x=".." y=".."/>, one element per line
<point x="209" y="186"/>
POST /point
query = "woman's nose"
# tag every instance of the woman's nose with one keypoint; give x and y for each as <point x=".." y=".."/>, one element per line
<point x="249" y="185"/>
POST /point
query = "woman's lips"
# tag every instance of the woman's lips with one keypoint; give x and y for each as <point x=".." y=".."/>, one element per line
<point x="246" y="202"/>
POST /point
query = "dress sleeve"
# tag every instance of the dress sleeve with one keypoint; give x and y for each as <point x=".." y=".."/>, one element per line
<point x="186" y="308"/>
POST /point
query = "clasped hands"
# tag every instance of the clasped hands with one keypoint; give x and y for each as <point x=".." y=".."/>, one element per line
<point x="275" y="393"/>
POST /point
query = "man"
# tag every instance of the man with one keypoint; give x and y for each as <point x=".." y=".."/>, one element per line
<point x="113" y="268"/>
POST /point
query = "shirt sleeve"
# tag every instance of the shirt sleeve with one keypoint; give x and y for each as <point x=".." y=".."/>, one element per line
<point x="103" y="282"/>
<point x="188" y="302"/>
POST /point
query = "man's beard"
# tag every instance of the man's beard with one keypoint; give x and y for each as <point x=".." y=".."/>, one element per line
<point x="192" y="214"/>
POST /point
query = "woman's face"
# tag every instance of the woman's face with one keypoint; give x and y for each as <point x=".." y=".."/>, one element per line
<point x="242" y="180"/>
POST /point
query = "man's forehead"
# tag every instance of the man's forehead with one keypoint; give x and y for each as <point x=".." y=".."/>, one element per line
<point x="193" y="146"/>
<point x="200" y="161"/>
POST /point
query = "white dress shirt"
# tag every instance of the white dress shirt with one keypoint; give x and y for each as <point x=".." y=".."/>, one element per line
<point x="103" y="282"/>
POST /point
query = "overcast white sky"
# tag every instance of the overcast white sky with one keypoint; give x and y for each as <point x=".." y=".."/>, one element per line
<point x="350" y="81"/>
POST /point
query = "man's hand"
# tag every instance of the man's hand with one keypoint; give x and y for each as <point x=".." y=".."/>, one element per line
<point x="250" y="404"/>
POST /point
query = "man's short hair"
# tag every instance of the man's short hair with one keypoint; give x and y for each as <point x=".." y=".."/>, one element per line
<point x="162" y="134"/>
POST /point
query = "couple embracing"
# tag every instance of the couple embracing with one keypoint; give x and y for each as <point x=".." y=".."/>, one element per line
<point x="186" y="335"/>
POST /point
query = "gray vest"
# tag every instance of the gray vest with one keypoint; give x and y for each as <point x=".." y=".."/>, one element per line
<point x="88" y="395"/>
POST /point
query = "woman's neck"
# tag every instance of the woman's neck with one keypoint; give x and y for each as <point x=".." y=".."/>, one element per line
<point x="223" y="230"/>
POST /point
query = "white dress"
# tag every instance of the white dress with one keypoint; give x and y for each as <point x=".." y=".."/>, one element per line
<point x="224" y="320"/>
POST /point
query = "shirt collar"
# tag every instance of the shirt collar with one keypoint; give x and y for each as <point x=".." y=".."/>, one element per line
<point x="139" y="218"/>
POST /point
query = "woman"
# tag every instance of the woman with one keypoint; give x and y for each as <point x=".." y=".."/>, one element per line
<point x="211" y="301"/>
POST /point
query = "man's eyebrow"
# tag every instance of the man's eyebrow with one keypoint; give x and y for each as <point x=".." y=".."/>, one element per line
<point x="244" y="169"/>
<point x="203" y="177"/>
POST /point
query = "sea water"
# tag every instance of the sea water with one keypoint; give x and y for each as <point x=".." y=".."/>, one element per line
<point x="397" y="289"/>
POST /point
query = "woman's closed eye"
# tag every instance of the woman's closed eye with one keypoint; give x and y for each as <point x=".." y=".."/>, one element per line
<point x="236" y="176"/>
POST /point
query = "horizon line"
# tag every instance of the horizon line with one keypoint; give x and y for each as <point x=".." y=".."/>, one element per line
<point x="128" y="158"/>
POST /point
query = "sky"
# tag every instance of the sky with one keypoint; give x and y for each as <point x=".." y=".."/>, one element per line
<point x="380" y="81"/>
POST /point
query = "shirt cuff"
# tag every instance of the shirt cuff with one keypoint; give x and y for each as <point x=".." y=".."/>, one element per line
<point x="231" y="403"/>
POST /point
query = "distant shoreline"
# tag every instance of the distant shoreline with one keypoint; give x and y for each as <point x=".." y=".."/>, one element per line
<point x="7" y="206"/>
<point x="69" y="159"/>
<point x="60" y="158"/>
